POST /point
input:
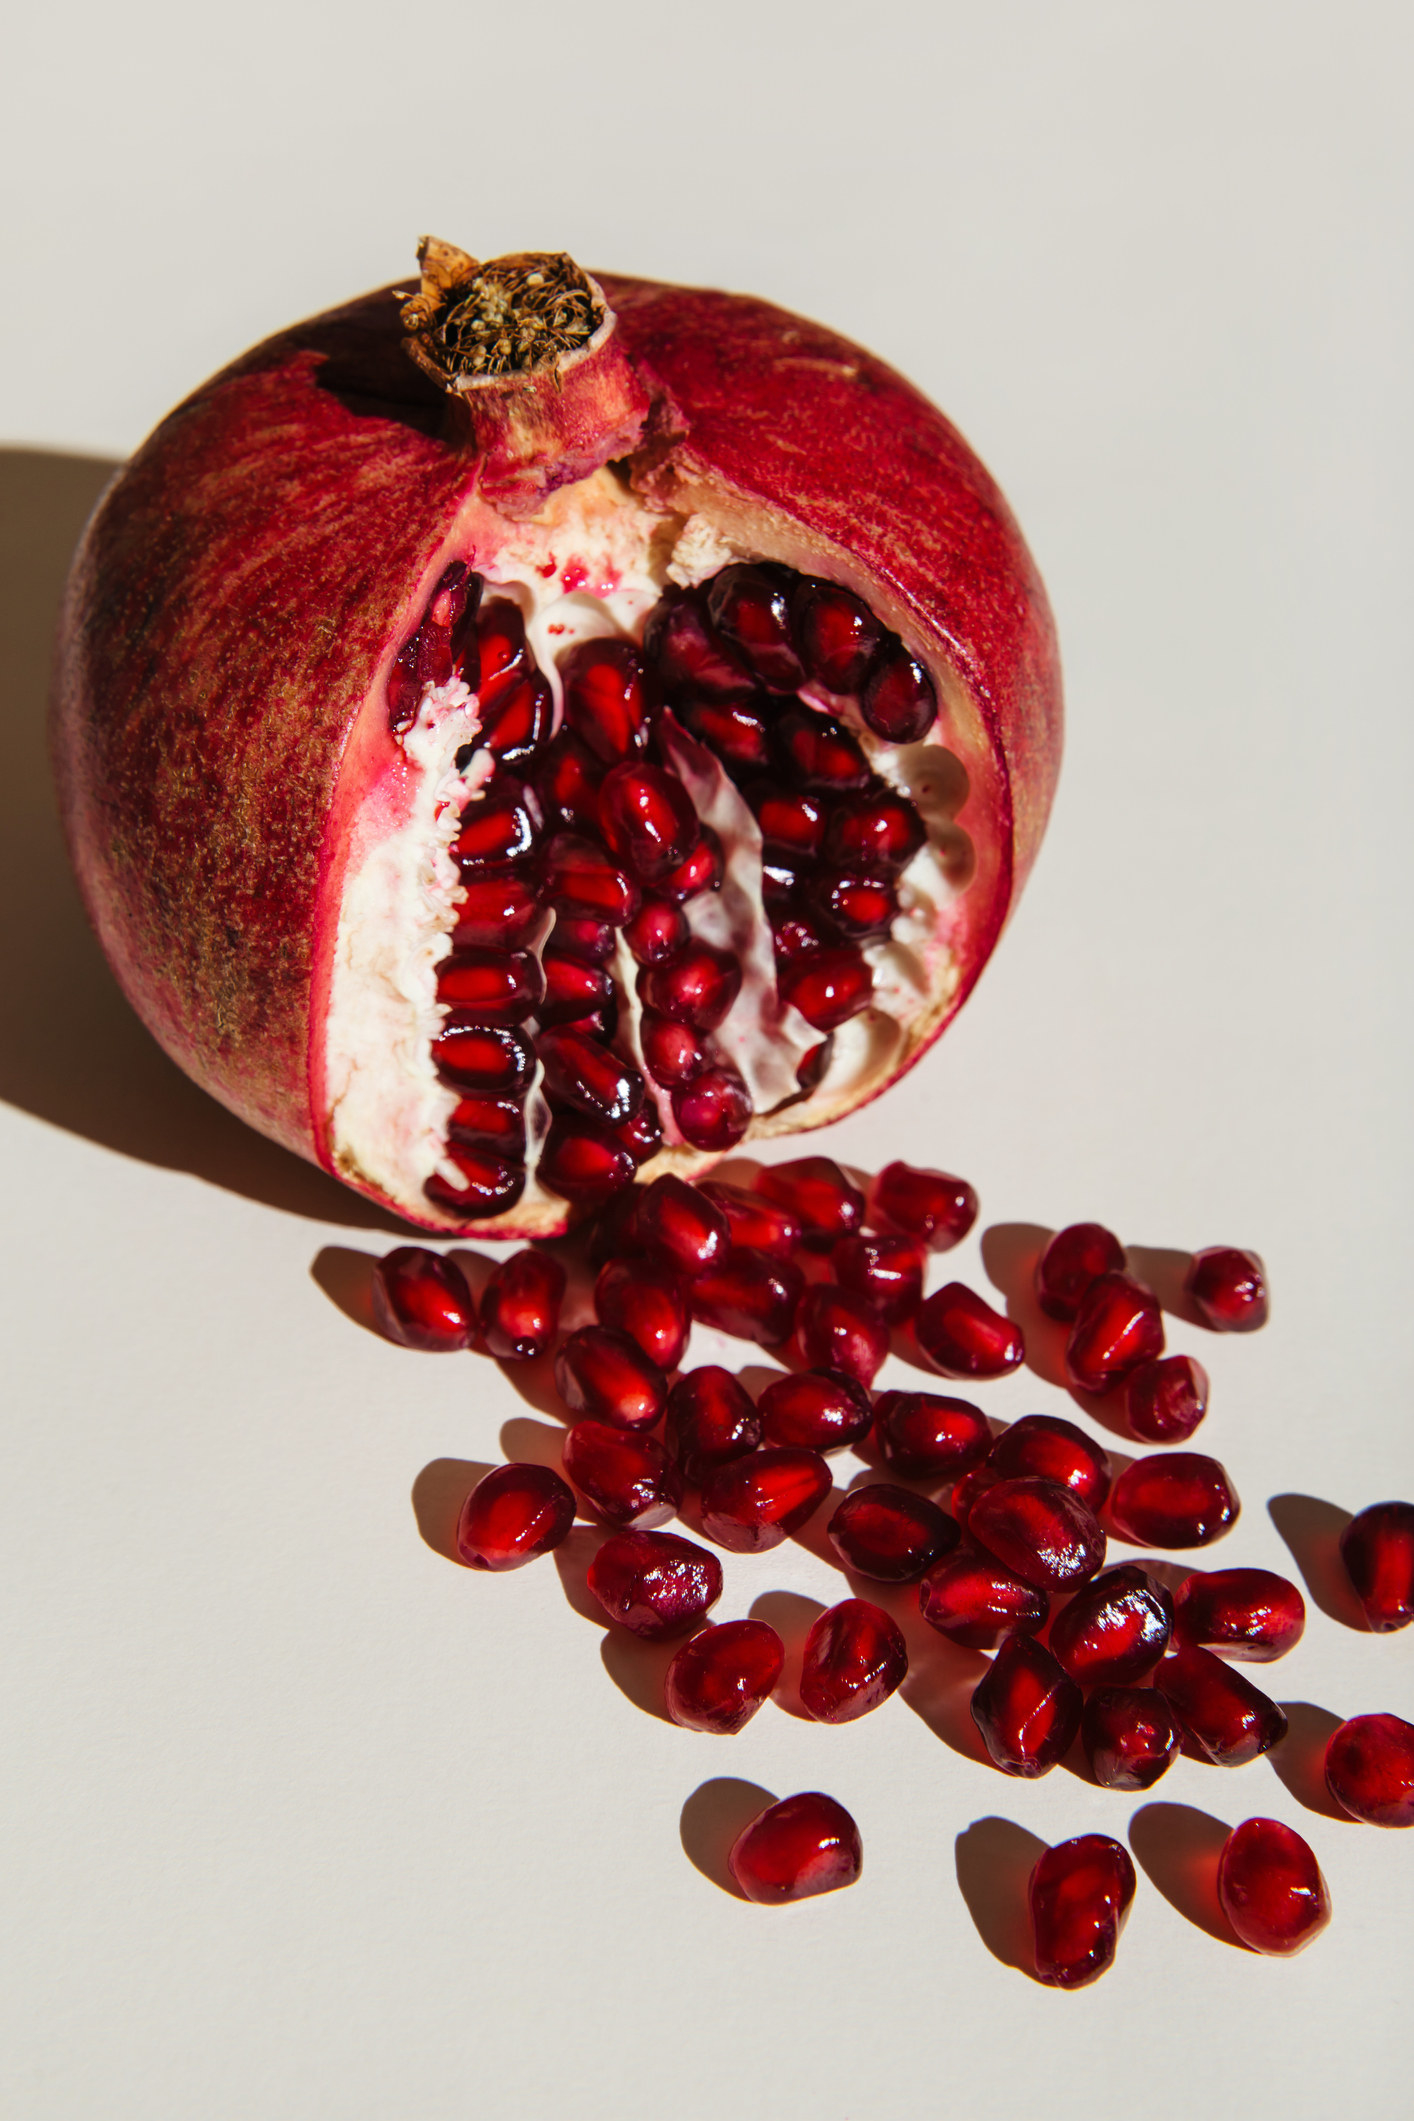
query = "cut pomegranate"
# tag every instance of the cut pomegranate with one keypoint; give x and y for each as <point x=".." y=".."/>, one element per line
<point x="514" y="1514"/>
<point x="1271" y="1888"/>
<point x="802" y="1846"/>
<point x="974" y="1601"/>
<point x="890" y="1534"/>
<point x="757" y="1224"/>
<point x="520" y="1306"/>
<point x="628" y="1479"/>
<point x="1051" y="1449"/>
<point x="1221" y="1716"/>
<point x="820" y="1410"/>
<point x="752" y="1295"/>
<point x="1183" y="1500"/>
<point x="1164" y="1401"/>
<point x="1118" y="1326"/>
<point x="1250" y="1614"/>
<point x="682" y="1227"/>
<point x="754" y="1503"/>
<point x="1370" y="1769"/>
<point x="815" y="1191"/>
<point x="719" y="1679"/>
<point x="885" y="1272"/>
<point x="1039" y="1530"/>
<point x="422" y="1301"/>
<point x="1026" y="1709"/>
<point x="936" y="1210"/>
<point x="926" y="1437"/>
<point x="1079" y="1895"/>
<point x="602" y="1372"/>
<point x="1377" y="1548"/>
<point x="1228" y="1288"/>
<point x="1129" y="1736"/>
<point x="709" y="1421"/>
<point x="1071" y="1264"/>
<point x="963" y="1336"/>
<point x="839" y="1331"/>
<point x="854" y="1659"/>
<point x="1115" y="1630"/>
<point x="647" y="1302"/>
<point x="654" y="1583"/>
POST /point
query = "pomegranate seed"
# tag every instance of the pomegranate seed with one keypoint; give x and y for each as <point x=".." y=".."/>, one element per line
<point x="485" y="1184"/>
<point x="841" y="1332"/>
<point x="576" y="935"/>
<point x="974" y="1601"/>
<point x="750" y="607"/>
<point x="483" y="1057"/>
<point x="899" y="701"/>
<point x="496" y="1123"/>
<point x="642" y="1135"/>
<point x="1184" y="1500"/>
<point x="672" y="1053"/>
<point x="422" y="1301"/>
<point x="754" y="1503"/>
<point x="645" y="1300"/>
<point x="574" y="990"/>
<point x="700" y="870"/>
<point x="1079" y="1895"/>
<point x="499" y="826"/>
<point x="754" y="1222"/>
<point x="658" y="932"/>
<point x="828" y="987"/>
<point x="926" y="1437"/>
<point x="795" y="933"/>
<point x="1072" y="1262"/>
<point x="861" y="907"/>
<point x="1229" y="1289"/>
<point x="682" y="1226"/>
<point x="613" y="1231"/>
<point x="1118" y="1327"/>
<point x="820" y="1410"/>
<point x="1220" y="1715"/>
<point x="628" y="1479"/>
<point x="515" y="1514"/>
<point x="446" y="635"/>
<point x="972" y="1486"/>
<point x="1129" y="1736"/>
<point x="580" y="879"/>
<point x="601" y="1371"/>
<point x="889" y="1534"/>
<point x="1250" y="1614"/>
<point x="792" y="823"/>
<point x="500" y="910"/>
<point x="714" y="1110"/>
<point x="567" y="778"/>
<point x="688" y="654"/>
<point x="1052" y="1449"/>
<point x="1026" y="1709"/>
<point x="719" y="1680"/>
<point x="818" y="752"/>
<point x="495" y="986"/>
<point x="1370" y="1769"/>
<point x="502" y="654"/>
<point x="518" y="725"/>
<point x="816" y="1192"/>
<point x="697" y="988"/>
<point x="582" y="1162"/>
<point x="1114" y="1630"/>
<point x="655" y="1584"/>
<point x="582" y="1073"/>
<point x="1271" y="1888"/>
<point x="605" y="702"/>
<point x="885" y="1272"/>
<point x="647" y="818"/>
<point x="710" y="1420"/>
<point x="836" y="634"/>
<point x="1164" y="1401"/>
<point x="520" y="1306"/>
<point x="878" y="833"/>
<point x="736" y="730"/>
<point x="927" y="1205"/>
<point x="802" y="1846"/>
<point x="1039" y="1530"/>
<point x="962" y="1336"/>
<point x="854" y="1659"/>
<point x="752" y="1295"/>
<point x="1377" y="1548"/>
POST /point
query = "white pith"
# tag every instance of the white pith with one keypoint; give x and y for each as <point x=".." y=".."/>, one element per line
<point x="594" y="561"/>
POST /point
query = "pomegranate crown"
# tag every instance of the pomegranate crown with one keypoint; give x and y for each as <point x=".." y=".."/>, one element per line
<point x="470" y="322"/>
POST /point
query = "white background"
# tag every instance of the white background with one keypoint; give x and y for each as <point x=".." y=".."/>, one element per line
<point x="298" y="1817"/>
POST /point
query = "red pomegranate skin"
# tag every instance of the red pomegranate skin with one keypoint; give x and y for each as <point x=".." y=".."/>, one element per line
<point x="211" y="776"/>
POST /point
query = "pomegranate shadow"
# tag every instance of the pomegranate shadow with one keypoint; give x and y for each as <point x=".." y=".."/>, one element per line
<point x="1177" y="1847"/>
<point x="1312" y="1529"/>
<point x="712" y="1818"/>
<point x="438" y="1493"/>
<point x="995" y="1859"/>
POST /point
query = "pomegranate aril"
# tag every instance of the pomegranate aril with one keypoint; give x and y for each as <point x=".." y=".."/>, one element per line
<point x="496" y="1123"/>
<point x="751" y="1294"/>
<point x="697" y="988"/>
<point x="962" y="1336"/>
<point x="567" y="778"/>
<point x="889" y="1534"/>
<point x="672" y="1053"/>
<point x="502" y="656"/>
<point x="515" y="1514"/>
<point x="709" y="1420"/>
<point x="1026" y="1709"/>
<point x="835" y="632"/>
<point x="754" y="1503"/>
<point x="613" y="1232"/>
<point x="1117" y="1328"/>
<point x="1129" y="1736"/>
<point x="877" y="832"/>
<point x="1377" y="1548"/>
<point x="1052" y="1449"/>
<point x="500" y="909"/>
<point x="700" y="870"/>
<point x="520" y="1306"/>
<point x="500" y="826"/>
<point x="655" y="1584"/>
<point x="488" y="1058"/>
<point x="1072" y="1263"/>
<point x="795" y="1849"/>
<point x="854" y="1659"/>
<point x="968" y="1491"/>
<point x="1249" y="1614"/>
<point x="813" y="1189"/>
<point x="445" y="636"/>
<point x="1182" y="1500"/>
<point x="422" y="1301"/>
<point x="819" y="1410"/>
<point x="884" y="1272"/>
<point x="682" y="1227"/>
<point x="629" y="1480"/>
<point x="1228" y="1288"/>
<point x="1079" y="1895"/>
<point x="583" y="1162"/>
<point x="518" y="724"/>
<point x="574" y="990"/>
<point x="647" y="819"/>
<point x="1221" y="1716"/>
<point x="925" y="1436"/>
<point x="688" y="654"/>
<point x="862" y="908"/>
<point x="581" y="1072"/>
<point x="719" y="1679"/>
<point x="646" y="1301"/>
<point x="796" y="932"/>
<point x="602" y="1372"/>
<point x="818" y="752"/>
<point x="606" y="704"/>
<point x="1271" y="1889"/>
<point x="749" y="605"/>
<point x="484" y="1184"/>
<point x="714" y="1110"/>
<point x="575" y="935"/>
<point x="1164" y="1401"/>
<point x="791" y="824"/>
<point x="839" y="1331"/>
<point x="754" y="1222"/>
<point x="977" y="1603"/>
<point x="578" y="877"/>
<point x="828" y="987"/>
<point x="658" y="932"/>
<point x="931" y="1206"/>
<point x="1039" y="1530"/>
<point x="1114" y="1630"/>
<point x="642" y="1135"/>
<point x="899" y="701"/>
<point x="494" y="986"/>
<point x="736" y="730"/>
<point x="1370" y="1769"/>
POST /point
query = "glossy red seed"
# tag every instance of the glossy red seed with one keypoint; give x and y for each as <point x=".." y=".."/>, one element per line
<point x="702" y="869"/>
<point x="1377" y="1548"/>
<point x="579" y="878"/>
<point x="682" y="1227"/>
<point x="1271" y="1888"/>
<point x="753" y="1221"/>
<point x="1221" y="1716"/>
<point x="802" y="1846"/>
<point x="582" y="1161"/>
<point x="1370" y="1769"/>
<point x="877" y="833"/>
<point x="977" y="1603"/>
<point x="628" y="1479"/>
<point x="1250" y="1614"/>
<point x="574" y="990"/>
<point x="576" y="935"/>
<point x="1114" y="1630"/>
<point x="931" y="1206"/>
<point x="484" y="1184"/>
<point x="886" y="1272"/>
<point x="516" y="728"/>
<point x="837" y="635"/>
<point x="752" y="1294"/>
<point x="687" y="652"/>
<point x="658" y="932"/>
<point x="714" y="1110"/>
<point x="613" y="1231"/>
<point x="520" y="1306"/>
<point x="839" y="1331"/>
<point x="647" y="818"/>
<point x="709" y="1420"/>
<point x="645" y="1299"/>
<point x="754" y="1503"/>
<point x="828" y="987"/>
<point x="422" y="1301"/>
<point x="792" y="822"/>
<point x="1039" y="1530"/>
<point x="813" y="1189"/>
<point x="672" y="1053"/>
<point x="602" y="1372"/>
<point x="500" y="909"/>
<point x="820" y="1410"/>
<point x="749" y="605"/>
<point x="818" y="752"/>
<point x="495" y="1123"/>
<point x="567" y="778"/>
<point x="1052" y="1449"/>
<point x="924" y="1436"/>
<point x="1026" y="1709"/>
<point x="890" y="1534"/>
<point x="719" y="1680"/>
<point x="854" y="1659"/>
<point x="1164" y="1401"/>
<point x="494" y="986"/>
<point x="1228" y="1289"/>
<point x="962" y="1336"/>
<point x="1182" y="1500"/>
<point x="655" y="1584"/>
<point x="697" y="988"/>
<point x="899" y="701"/>
<point x="736" y="730"/>
<point x="1118" y="1326"/>
<point x="642" y="1135"/>
<point x="861" y="907"/>
<point x="1079" y="1895"/>
<point x="969" y="1489"/>
<point x="1072" y="1263"/>
<point x="605" y="702"/>
<point x="502" y="655"/>
<point x="483" y="1057"/>
<point x="583" y="1073"/>
<point x="516" y="1513"/>
<point x="497" y="826"/>
<point x="1129" y="1736"/>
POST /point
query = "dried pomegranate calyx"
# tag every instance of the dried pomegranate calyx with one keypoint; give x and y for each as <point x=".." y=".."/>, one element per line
<point x="509" y="316"/>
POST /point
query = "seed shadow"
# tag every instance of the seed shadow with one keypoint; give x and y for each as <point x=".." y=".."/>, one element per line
<point x="438" y="1493"/>
<point x="346" y="1278"/>
<point x="534" y="1382"/>
<point x="792" y="1616"/>
<point x="1311" y="1529"/>
<point x="572" y="1558"/>
<point x="939" y="1686"/>
<point x="527" y="1442"/>
<point x="714" y="1815"/>
<point x="1164" y="1271"/>
<point x="995" y="1859"/>
<point x="638" y="1669"/>
<point x="1177" y="1847"/>
<point x="1299" y="1759"/>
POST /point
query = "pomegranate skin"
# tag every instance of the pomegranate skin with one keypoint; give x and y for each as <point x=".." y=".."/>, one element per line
<point x="211" y="774"/>
<point x="1370" y="1769"/>
<point x="1271" y="1888"/>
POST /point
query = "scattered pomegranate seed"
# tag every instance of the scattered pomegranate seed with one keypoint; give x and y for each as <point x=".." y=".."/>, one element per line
<point x="627" y="1478"/>
<point x="854" y="1659"/>
<point x="605" y="702"/>
<point x="602" y="1372"/>
<point x="1039" y="1530"/>
<point x="754" y="1503"/>
<point x="1250" y="1614"/>
<point x="1052" y="1449"/>
<point x="501" y="909"/>
<point x="709" y="1421"/>
<point x="1071" y="1264"/>
<point x="422" y="1301"/>
<point x="480" y="1057"/>
<point x="964" y="1337"/>
<point x="1118" y="1327"/>
<point x="889" y="1534"/>
<point x="974" y="1601"/>
<point x="1080" y="1895"/>
<point x="754" y="1222"/>
<point x="647" y="818"/>
<point x="967" y="1491"/>
<point x="646" y="1301"/>
<point x="815" y="1191"/>
<point x="682" y="1227"/>
<point x="520" y="1306"/>
<point x="1183" y="1500"/>
<point x="655" y="1584"/>
<point x="1221" y="1716"/>
<point x="752" y="1295"/>
<point x="1271" y="1888"/>
<point x="1026" y="1709"/>
<point x="1114" y="1630"/>
<point x="801" y="1846"/>
<point x="1164" y="1401"/>
<point x="1129" y="1736"/>
<point x="1370" y="1769"/>
<point x="1377" y="1547"/>
<point x="819" y="1410"/>
<point x="924" y="1436"/>
<point x="657" y="933"/>
<point x="516" y="1513"/>
<point x="930" y="1206"/>
<point x="583" y="1162"/>
<point x="828" y="987"/>
<point x="580" y="878"/>
<point x="841" y="1332"/>
<point x="1228" y="1289"/>
<point x="714" y="1110"/>
<point x="886" y="1272"/>
<point x="719" y="1679"/>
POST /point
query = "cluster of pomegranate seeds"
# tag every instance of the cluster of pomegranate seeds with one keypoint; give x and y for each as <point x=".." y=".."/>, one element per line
<point x="1271" y="1888"/>
<point x="1079" y="1895"/>
<point x="801" y="1846"/>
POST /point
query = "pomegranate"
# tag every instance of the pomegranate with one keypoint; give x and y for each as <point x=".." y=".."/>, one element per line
<point x="974" y="1601"/>
<point x="512" y="1516"/>
<point x="1129" y="1736"/>
<point x="392" y="692"/>
<point x="1370" y="1769"/>
<point x="1079" y="1895"/>
<point x="719" y="1679"/>
<point x="422" y="1301"/>
<point x="854" y="1659"/>
<point x="801" y="1846"/>
<point x="890" y="1534"/>
<point x="1271" y="1888"/>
